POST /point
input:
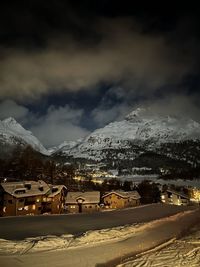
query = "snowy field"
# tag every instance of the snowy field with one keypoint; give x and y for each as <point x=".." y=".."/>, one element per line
<point x="175" y="253"/>
<point x="154" y="178"/>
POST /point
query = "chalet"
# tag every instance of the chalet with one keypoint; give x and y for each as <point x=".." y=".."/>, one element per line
<point x="77" y="202"/>
<point x="30" y="198"/>
<point x="175" y="198"/>
<point x="57" y="196"/>
<point x="121" y="199"/>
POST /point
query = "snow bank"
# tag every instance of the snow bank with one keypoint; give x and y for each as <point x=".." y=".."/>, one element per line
<point x="90" y="238"/>
<point x="110" y="247"/>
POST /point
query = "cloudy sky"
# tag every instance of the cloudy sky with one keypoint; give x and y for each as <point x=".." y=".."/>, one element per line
<point x="69" y="67"/>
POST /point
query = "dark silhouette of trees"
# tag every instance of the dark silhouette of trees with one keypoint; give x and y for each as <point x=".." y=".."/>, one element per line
<point x="149" y="192"/>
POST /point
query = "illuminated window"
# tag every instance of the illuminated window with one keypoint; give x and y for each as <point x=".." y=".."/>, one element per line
<point x="33" y="207"/>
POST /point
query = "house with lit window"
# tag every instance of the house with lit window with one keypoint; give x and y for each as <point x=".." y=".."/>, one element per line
<point x="57" y="196"/>
<point x="30" y="198"/>
<point x="86" y="202"/>
<point x="121" y="199"/>
<point x="175" y="198"/>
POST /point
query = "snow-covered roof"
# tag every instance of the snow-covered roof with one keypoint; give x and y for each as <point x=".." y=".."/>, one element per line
<point x="56" y="189"/>
<point x="87" y="197"/>
<point x="31" y="188"/>
<point x="26" y="188"/>
<point x="177" y="193"/>
<point x="123" y="194"/>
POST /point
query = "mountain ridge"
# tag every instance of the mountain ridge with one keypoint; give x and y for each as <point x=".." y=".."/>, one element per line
<point x="137" y="134"/>
<point x="13" y="134"/>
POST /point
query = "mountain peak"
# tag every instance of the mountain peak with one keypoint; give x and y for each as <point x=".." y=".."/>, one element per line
<point x="10" y="120"/>
<point x="13" y="133"/>
<point x="135" y="114"/>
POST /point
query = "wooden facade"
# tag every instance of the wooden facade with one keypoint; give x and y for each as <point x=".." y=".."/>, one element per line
<point x="121" y="199"/>
<point x="31" y="198"/>
<point x="86" y="202"/>
<point x="175" y="198"/>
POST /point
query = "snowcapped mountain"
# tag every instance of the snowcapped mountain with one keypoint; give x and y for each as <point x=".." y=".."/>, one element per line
<point x="12" y="134"/>
<point x="138" y="133"/>
<point x="64" y="147"/>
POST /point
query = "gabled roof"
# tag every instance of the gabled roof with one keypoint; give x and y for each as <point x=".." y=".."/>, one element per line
<point x="177" y="193"/>
<point x="87" y="197"/>
<point x="123" y="194"/>
<point x="56" y="189"/>
<point x="26" y="188"/>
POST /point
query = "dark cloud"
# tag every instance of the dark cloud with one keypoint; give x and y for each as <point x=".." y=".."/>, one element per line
<point x="58" y="125"/>
<point x="9" y="108"/>
<point x="125" y="55"/>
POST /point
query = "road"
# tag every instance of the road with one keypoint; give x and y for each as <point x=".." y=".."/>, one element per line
<point x="18" y="228"/>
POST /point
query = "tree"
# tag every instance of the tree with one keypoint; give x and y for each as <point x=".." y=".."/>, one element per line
<point x="149" y="193"/>
<point x="127" y="185"/>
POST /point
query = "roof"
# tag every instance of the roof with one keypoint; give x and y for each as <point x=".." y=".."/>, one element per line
<point x="56" y="189"/>
<point x="123" y="194"/>
<point x="87" y="197"/>
<point x="26" y="188"/>
<point x="177" y="193"/>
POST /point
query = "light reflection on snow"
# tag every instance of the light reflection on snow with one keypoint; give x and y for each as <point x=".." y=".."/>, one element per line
<point x="184" y="252"/>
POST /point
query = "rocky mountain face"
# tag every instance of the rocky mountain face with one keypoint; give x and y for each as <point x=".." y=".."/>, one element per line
<point x="140" y="140"/>
<point x="140" y="136"/>
<point x="12" y="134"/>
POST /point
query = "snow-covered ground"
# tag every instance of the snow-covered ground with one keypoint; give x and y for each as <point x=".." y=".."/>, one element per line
<point x="174" y="253"/>
<point x="108" y="246"/>
<point x="90" y="238"/>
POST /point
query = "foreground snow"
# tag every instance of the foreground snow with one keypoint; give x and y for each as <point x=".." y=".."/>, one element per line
<point x="183" y="252"/>
<point x="107" y="247"/>
<point x="46" y="243"/>
<point x="90" y="238"/>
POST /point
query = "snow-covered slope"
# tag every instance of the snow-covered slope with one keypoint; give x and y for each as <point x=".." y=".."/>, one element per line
<point x="138" y="129"/>
<point x="12" y="134"/>
<point x="64" y="147"/>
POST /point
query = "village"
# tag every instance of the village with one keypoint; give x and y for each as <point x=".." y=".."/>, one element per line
<point x="18" y="198"/>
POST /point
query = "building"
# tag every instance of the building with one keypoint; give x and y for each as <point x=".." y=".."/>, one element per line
<point x="54" y="201"/>
<point x="30" y="198"/>
<point x="121" y="199"/>
<point x="195" y="195"/>
<point x="174" y="198"/>
<point x="78" y="202"/>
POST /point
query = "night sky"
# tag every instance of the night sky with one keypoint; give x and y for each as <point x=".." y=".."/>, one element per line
<point x="69" y="67"/>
